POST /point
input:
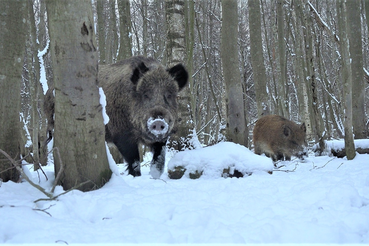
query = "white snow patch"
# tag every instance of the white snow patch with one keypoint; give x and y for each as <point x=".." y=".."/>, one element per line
<point x="113" y="166"/>
<point x="40" y="55"/>
<point x="340" y="144"/>
<point x="214" y="159"/>
<point x="103" y="104"/>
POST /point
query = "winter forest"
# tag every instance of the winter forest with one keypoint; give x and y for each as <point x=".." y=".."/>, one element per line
<point x="305" y="60"/>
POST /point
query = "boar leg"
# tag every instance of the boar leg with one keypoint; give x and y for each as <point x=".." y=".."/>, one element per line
<point x="158" y="160"/>
<point x="128" y="147"/>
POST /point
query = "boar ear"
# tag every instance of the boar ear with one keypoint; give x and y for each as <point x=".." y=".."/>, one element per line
<point x="303" y="127"/>
<point x="179" y="73"/>
<point x="138" y="72"/>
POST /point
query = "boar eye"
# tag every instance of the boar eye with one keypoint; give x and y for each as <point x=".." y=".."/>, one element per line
<point x="146" y="96"/>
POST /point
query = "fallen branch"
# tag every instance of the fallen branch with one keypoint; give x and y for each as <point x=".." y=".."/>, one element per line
<point x="316" y="167"/>
<point x="20" y="170"/>
<point x="287" y="171"/>
<point x="50" y="195"/>
<point x="65" y="192"/>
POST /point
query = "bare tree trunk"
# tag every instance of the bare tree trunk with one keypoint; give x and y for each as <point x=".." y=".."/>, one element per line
<point x="270" y="59"/>
<point x="111" y="42"/>
<point x="356" y="55"/>
<point x="35" y="90"/>
<point x="79" y="128"/>
<point x="12" y="46"/>
<point x="236" y="120"/>
<point x="144" y="5"/>
<point x="346" y="78"/>
<point x="282" y="83"/>
<point x="190" y="40"/>
<point x="101" y="25"/>
<point x="175" y="53"/>
<point x="125" y="48"/>
<point x="257" y="58"/>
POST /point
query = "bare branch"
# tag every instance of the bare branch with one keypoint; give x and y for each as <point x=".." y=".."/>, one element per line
<point x="50" y="195"/>
<point x="319" y="20"/>
<point x="207" y="71"/>
<point x="18" y="166"/>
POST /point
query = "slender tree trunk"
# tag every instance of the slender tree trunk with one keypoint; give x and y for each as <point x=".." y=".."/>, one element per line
<point x="12" y="47"/>
<point x="34" y="83"/>
<point x="236" y="120"/>
<point x="346" y="79"/>
<point x="125" y="48"/>
<point x="144" y="4"/>
<point x="112" y="34"/>
<point x="190" y="40"/>
<point x="282" y="83"/>
<point x="79" y="129"/>
<point x="101" y="25"/>
<point x="257" y="58"/>
<point x="272" y="67"/>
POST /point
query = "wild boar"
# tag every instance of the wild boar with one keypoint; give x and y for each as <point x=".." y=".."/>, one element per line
<point x="141" y="97"/>
<point x="279" y="138"/>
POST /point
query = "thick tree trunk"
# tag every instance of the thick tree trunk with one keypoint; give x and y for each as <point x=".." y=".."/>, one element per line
<point x="12" y="46"/>
<point x="175" y="53"/>
<point x="356" y="55"/>
<point x="236" y="120"/>
<point x="79" y="129"/>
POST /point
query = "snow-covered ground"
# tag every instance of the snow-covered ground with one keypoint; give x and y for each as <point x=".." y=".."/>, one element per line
<point x="319" y="200"/>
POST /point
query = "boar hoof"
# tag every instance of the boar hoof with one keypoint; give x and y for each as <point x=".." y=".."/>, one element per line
<point x="156" y="171"/>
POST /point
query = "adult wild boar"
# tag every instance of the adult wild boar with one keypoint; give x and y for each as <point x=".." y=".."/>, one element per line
<point x="141" y="97"/>
<point x="279" y="138"/>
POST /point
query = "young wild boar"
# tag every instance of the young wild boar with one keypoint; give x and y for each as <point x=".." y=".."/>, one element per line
<point x="279" y="138"/>
<point x="141" y="97"/>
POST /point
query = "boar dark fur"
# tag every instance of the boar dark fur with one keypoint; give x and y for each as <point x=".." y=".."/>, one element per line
<point x="279" y="138"/>
<point x="141" y="97"/>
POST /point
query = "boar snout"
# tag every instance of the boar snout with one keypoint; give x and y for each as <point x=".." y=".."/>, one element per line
<point x="158" y="127"/>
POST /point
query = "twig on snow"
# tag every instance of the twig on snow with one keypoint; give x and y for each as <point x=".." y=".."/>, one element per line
<point x="316" y="167"/>
<point x="50" y="195"/>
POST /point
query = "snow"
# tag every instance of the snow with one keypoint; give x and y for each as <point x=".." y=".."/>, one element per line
<point x="340" y="144"/>
<point x="103" y="105"/>
<point x="40" y="55"/>
<point x="212" y="160"/>
<point x="322" y="199"/>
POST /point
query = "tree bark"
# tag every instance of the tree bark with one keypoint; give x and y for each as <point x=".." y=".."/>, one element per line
<point x="346" y="78"/>
<point x="12" y="47"/>
<point x="282" y="82"/>
<point x="79" y="129"/>
<point x="257" y="58"/>
<point x="356" y="55"/>
<point x="175" y="53"/>
<point x="101" y="24"/>
<point x="125" y="47"/>
<point x="236" y="120"/>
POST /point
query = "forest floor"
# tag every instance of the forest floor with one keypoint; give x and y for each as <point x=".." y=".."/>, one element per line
<point x="322" y="199"/>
